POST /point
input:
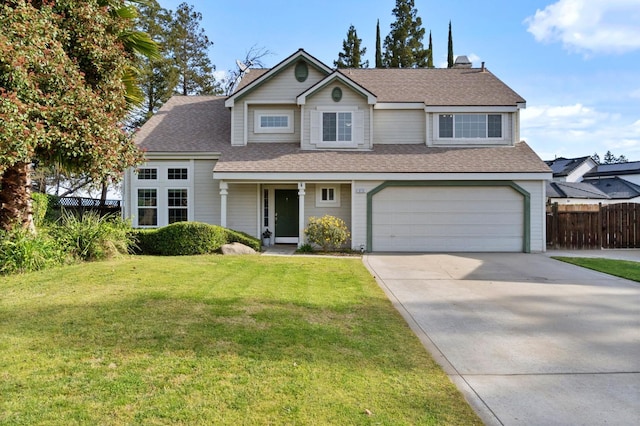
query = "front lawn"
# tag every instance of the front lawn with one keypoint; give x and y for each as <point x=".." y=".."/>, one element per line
<point x="619" y="268"/>
<point x="214" y="340"/>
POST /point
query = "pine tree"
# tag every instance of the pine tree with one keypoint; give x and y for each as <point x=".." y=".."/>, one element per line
<point x="430" y="59"/>
<point x="351" y="56"/>
<point x="378" y="47"/>
<point x="403" y="46"/>
<point x="450" y="51"/>
<point x="189" y="46"/>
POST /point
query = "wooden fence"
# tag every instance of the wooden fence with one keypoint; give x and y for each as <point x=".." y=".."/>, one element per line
<point x="594" y="226"/>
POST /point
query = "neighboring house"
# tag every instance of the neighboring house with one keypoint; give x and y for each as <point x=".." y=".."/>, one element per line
<point x="571" y="169"/>
<point x="410" y="159"/>
<point x="575" y="193"/>
<point x="628" y="171"/>
<point x="617" y="189"/>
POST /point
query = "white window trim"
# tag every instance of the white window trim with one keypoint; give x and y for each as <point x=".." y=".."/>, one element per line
<point x="187" y="168"/>
<point x="138" y="169"/>
<point x="357" y="129"/>
<point x="436" y="126"/>
<point x="168" y="207"/>
<point x="259" y="113"/>
<point x="326" y="203"/>
<point x="156" y="207"/>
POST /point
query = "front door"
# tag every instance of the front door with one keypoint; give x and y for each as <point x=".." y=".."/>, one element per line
<point x="286" y="210"/>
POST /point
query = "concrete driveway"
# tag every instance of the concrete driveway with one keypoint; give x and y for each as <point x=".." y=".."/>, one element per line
<point x="528" y="340"/>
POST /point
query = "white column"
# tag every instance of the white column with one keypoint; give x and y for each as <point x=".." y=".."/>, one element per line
<point x="224" y="191"/>
<point x="301" y="192"/>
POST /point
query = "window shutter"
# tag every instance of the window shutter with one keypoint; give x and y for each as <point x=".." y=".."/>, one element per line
<point x="314" y="127"/>
<point x="358" y="127"/>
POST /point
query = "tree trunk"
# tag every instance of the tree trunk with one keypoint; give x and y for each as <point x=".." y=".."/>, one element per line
<point x="15" y="198"/>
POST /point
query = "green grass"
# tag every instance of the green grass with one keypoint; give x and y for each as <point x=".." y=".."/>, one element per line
<point x="214" y="340"/>
<point x="619" y="268"/>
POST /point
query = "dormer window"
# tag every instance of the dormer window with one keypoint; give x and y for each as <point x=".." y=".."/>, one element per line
<point x="273" y="121"/>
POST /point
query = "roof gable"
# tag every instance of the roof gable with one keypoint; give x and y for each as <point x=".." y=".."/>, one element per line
<point x="268" y="75"/>
<point x="331" y="78"/>
<point x="564" y="166"/>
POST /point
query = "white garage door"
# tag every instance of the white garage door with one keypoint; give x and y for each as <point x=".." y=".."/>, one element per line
<point x="444" y="219"/>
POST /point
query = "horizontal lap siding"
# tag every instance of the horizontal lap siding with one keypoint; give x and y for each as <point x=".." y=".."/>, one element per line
<point x="274" y="137"/>
<point x="206" y="200"/>
<point x="343" y="212"/>
<point x="399" y="127"/>
<point x="242" y="209"/>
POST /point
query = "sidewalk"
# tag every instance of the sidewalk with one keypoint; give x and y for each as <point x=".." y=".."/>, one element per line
<point x="620" y="254"/>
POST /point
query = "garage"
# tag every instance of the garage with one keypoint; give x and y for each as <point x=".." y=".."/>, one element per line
<point x="456" y="217"/>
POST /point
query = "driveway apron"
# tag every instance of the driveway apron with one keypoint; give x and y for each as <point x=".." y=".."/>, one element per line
<point x="529" y="340"/>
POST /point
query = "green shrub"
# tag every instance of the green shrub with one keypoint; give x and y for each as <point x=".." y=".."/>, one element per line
<point x="92" y="237"/>
<point x="22" y="251"/>
<point x="40" y="203"/>
<point x="243" y="238"/>
<point x="54" y="209"/>
<point x="182" y="238"/>
<point x="327" y="232"/>
<point x="305" y="248"/>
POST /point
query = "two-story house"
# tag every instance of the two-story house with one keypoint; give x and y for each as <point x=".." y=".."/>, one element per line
<point x="410" y="159"/>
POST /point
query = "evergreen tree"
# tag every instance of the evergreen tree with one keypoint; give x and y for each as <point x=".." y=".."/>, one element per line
<point x="158" y="76"/>
<point x="403" y="46"/>
<point x="450" y="50"/>
<point x="430" y="59"/>
<point x="189" y="46"/>
<point x="378" y="47"/>
<point x="351" y="56"/>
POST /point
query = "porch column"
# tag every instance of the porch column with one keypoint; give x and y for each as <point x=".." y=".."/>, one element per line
<point x="224" y="191"/>
<point x="301" y="191"/>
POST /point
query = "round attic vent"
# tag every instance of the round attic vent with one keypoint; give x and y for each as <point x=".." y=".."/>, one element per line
<point x="336" y="94"/>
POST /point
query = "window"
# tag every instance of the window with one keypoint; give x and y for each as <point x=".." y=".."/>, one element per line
<point x="177" y="201"/>
<point x="147" y="207"/>
<point x="336" y="127"/>
<point x="177" y="174"/>
<point x="147" y="174"/>
<point x="470" y="126"/>
<point x="328" y="196"/>
<point x="273" y="121"/>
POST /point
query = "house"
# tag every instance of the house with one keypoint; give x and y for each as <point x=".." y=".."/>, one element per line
<point x="583" y="181"/>
<point x="410" y="159"/>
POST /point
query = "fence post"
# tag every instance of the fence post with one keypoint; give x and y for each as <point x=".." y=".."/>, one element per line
<point x="600" y="229"/>
<point x="554" y="225"/>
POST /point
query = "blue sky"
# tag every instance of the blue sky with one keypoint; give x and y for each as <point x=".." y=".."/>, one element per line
<point x="576" y="62"/>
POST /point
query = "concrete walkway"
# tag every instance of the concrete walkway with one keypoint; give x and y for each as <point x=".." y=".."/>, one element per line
<point x="620" y="254"/>
<point x="528" y="340"/>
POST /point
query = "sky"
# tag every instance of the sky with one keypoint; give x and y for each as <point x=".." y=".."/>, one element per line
<point x="576" y="62"/>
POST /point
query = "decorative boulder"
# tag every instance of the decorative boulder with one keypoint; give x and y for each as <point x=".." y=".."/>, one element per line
<point x="237" y="248"/>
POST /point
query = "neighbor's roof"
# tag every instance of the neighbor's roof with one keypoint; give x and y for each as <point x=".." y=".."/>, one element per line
<point x="564" y="166"/>
<point x="631" y="167"/>
<point x="616" y="188"/>
<point x="192" y="124"/>
<point x="574" y="190"/>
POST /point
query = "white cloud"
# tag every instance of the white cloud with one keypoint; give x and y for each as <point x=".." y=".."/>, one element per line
<point x="589" y="26"/>
<point x="578" y="130"/>
<point x="635" y="94"/>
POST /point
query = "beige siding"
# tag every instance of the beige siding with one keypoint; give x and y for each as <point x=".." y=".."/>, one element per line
<point x="322" y="99"/>
<point x="242" y="208"/>
<point x="359" y="213"/>
<point x="237" y="124"/>
<point x="206" y="199"/>
<point x="283" y="86"/>
<point x="273" y="137"/>
<point x="343" y="211"/>
<point x="399" y="127"/>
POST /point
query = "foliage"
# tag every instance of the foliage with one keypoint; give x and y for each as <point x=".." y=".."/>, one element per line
<point x="351" y="55"/>
<point x="22" y="251"/>
<point x="430" y="50"/>
<point x="92" y="237"/>
<point x="62" y="93"/>
<point x="378" y="47"/>
<point x="328" y="232"/>
<point x="182" y="238"/>
<point x="609" y="158"/>
<point x="40" y="205"/>
<point x="450" y="57"/>
<point x="243" y="238"/>
<point x="189" y="46"/>
<point x="214" y="340"/>
<point x="620" y="268"/>
<point x="305" y="248"/>
<point x="403" y="46"/>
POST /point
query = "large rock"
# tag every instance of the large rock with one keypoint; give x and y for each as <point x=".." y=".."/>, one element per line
<point x="237" y="248"/>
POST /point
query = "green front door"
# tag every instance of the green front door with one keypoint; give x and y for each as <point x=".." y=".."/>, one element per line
<point x="286" y="215"/>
